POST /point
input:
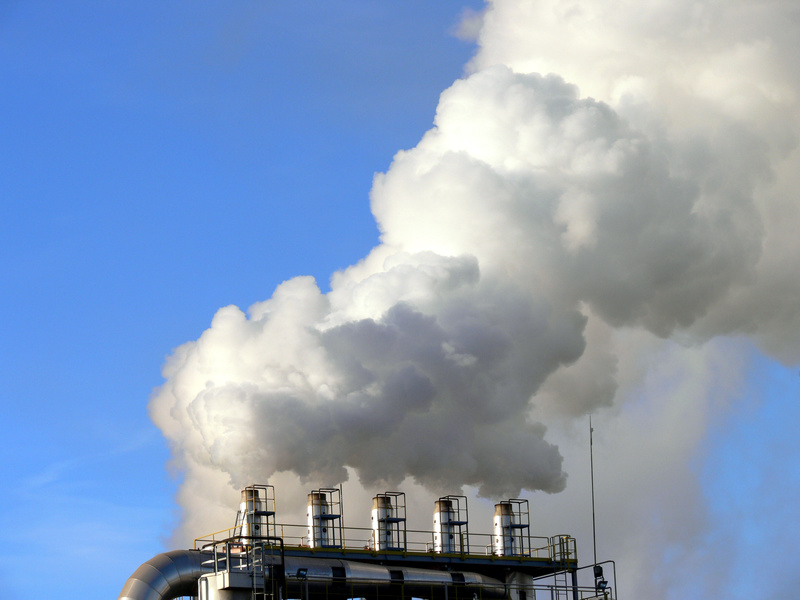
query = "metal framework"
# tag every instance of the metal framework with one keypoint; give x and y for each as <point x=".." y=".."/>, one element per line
<point x="293" y="562"/>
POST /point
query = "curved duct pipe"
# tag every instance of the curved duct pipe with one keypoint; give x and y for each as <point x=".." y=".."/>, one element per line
<point x="174" y="574"/>
<point x="165" y="576"/>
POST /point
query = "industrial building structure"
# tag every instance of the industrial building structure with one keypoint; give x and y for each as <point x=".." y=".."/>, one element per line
<point x="259" y="559"/>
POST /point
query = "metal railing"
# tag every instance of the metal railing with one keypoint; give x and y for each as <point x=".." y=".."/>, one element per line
<point x="252" y="554"/>
<point x="559" y="548"/>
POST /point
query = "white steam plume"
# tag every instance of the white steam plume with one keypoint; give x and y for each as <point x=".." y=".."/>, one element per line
<point x="547" y="226"/>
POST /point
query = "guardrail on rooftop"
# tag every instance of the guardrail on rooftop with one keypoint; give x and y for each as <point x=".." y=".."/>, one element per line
<point x="558" y="548"/>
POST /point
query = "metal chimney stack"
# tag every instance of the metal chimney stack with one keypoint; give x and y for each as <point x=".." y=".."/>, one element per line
<point x="511" y="535"/>
<point x="256" y="516"/>
<point x="443" y="533"/>
<point x="450" y="534"/>
<point x="324" y="518"/>
<point x="318" y="510"/>
<point x="389" y="521"/>
<point x="381" y="531"/>
<point x="503" y="529"/>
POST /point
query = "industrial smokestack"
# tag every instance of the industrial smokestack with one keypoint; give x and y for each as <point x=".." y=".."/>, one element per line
<point x="388" y="521"/>
<point x="504" y="542"/>
<point x="256" y="516"/>
<point x="511" y="528"/>
<point x="324" y="518"/>
<point x="318" y="512"/>
<point x="381" y="533"/>
<point x="450" y="525"/>
<point x="443" y="529"/>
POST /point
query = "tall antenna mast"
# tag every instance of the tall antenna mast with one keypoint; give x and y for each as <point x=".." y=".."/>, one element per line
<point x="591" y="470"/>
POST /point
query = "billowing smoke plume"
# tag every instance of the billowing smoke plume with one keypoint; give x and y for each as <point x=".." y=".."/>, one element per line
<point x="607" y="176"/>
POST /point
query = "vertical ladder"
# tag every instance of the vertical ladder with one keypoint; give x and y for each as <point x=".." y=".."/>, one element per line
<point x="563" y="551"/>
<point x="266" y="565"/>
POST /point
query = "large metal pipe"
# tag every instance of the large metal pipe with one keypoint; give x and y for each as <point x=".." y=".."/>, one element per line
<point x="166" y="576"/>
<point x="335" y="579"/>
<point x="174" y="574"/>
<point x="325" y="571"/>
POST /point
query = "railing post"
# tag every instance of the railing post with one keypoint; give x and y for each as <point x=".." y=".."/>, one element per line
<point x="575" y="584"/>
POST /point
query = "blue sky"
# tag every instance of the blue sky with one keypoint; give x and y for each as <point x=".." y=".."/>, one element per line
<point x="752" y="478"/>
<point x="161" y="160"/>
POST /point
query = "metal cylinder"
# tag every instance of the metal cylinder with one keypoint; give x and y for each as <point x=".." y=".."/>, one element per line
<point x="381" y="524"/>
<point x="191" y="573"/>
<point x="505" y="542"/>
<point x="444" y="538"/>
<point x="318" y="510"/>
<point x="253" y="508"/>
